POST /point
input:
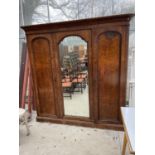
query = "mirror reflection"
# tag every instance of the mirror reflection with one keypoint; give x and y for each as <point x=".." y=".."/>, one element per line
<point x="74" y="72"/>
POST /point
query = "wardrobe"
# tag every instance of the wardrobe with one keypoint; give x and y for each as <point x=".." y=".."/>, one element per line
<point x="107" y="46"/>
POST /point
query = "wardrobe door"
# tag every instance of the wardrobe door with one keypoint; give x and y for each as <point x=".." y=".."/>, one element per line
<point x="108" y="56"/>
<point x="76" y="46"/>
<point x="41" y="56"/>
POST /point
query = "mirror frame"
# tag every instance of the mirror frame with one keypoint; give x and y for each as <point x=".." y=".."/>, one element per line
<point x="85" y="36"/>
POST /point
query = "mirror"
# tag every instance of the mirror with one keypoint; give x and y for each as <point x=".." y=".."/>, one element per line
<point x="73" y="57"/>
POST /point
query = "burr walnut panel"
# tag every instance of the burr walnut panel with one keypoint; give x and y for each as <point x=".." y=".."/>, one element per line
<point x="108" y="75"/>
<point x="43" y="70"/>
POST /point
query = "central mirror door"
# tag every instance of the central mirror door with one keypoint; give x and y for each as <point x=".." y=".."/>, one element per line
<point x="73" y="58"/>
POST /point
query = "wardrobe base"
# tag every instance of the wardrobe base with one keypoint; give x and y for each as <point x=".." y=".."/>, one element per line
<point x="83" y="123"/>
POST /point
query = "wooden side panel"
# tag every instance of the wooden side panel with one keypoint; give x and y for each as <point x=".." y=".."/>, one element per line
<point x="109" y="44"/>
<point x="44" y="77"/>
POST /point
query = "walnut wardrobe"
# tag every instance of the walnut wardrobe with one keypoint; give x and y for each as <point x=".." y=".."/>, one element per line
<point x="107" y="46"/>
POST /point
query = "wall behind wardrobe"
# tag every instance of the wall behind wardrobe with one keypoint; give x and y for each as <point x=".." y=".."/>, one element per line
<point x="45" y="11"/>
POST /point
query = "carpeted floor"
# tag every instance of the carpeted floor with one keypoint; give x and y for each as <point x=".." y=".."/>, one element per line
<point x="55" y="139"/>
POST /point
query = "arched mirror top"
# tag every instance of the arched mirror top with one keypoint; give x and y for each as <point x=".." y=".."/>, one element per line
<point x="73" y="43"/>
<point x="73" y="40"/>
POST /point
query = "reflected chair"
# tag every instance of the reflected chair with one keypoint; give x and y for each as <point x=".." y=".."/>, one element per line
<point x="67" y="85"/>
<point x="84" y="76"/>
<point x="78" y="82"/>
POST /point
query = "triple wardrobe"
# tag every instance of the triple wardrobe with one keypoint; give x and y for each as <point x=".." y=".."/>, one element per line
<point x="80" y="61"/>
